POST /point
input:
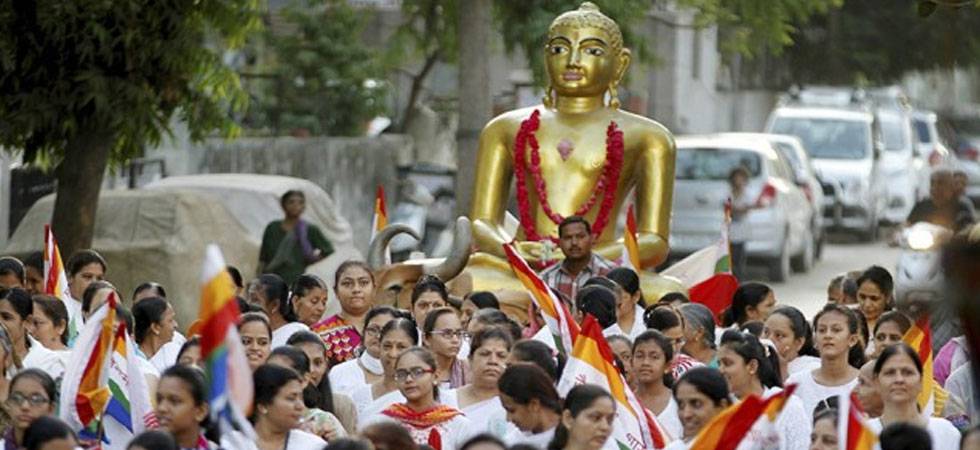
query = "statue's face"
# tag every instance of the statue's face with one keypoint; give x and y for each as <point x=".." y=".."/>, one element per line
<point x="581" y="62"/>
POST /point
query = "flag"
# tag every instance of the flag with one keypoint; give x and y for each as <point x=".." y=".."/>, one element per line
<point x="85" y="387"/>
<point x="775" y="403"/>
<point x="852" y="432"/>
<point x="229" y="377"/>
<point x="380" y="219"/>
<point x="707" y="273"/>
<point x="919" y="337"/>
<point x="56" y="284"/>
<point x="128" y="411"/>
<point x="554" y="311"/>
<point x="726" y="430"/>
<point x="631" y="246"/>
<point x="591" y="362"/>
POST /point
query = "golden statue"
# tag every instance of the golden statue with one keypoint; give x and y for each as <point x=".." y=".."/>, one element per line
<point x="579" y="154"/>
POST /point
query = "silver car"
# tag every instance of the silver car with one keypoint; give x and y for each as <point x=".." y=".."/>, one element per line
<point x="805" y="176"/>
<point x="778" y="230"/>
<point x="845" y="149"/>
<point x="930" y="150"/>
<point x="898" y="164"/>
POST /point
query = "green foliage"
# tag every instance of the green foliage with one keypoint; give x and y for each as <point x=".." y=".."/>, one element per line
<point x="748" y="27"/>
<point x="524" y="25"/>
<point x="881" y="40"/>
<point x="321" y="78"/>
<point x="428" y="28"/>
<point x="122" y="67"/>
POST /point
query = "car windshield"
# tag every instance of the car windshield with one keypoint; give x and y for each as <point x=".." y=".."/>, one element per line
<point x="893" y="133"/>
<point x="828" y="138"/>
<point x="706" y="163"/>
<point x="922" y="131"/>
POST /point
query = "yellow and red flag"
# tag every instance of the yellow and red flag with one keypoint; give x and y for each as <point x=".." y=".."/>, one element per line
<point x="380" y="220"/>
<point x="932" y="396"/>
<point x="631" y="246"/>
<point x="852" y="431"/>
<point x="727" y="430"/>
<point x="591" y="362"/>
<point x="56" y="283"/>
<point x="555" y="313"/>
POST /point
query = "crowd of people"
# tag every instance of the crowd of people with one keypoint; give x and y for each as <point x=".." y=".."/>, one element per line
<point x="458" y="373"/>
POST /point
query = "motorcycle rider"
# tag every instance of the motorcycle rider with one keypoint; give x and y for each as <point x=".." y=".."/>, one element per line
<point x="943" y="207"/>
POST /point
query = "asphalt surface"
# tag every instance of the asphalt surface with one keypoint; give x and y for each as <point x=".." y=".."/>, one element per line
<point x="842" y="253"/>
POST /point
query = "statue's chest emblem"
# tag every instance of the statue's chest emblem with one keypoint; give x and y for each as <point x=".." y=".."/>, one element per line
<point x="565" y="148"/>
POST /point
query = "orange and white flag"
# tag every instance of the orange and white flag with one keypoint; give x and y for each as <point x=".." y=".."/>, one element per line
<point x="853" y="432"/>
<point x="56" y="283"/>
<point x="631" y="244"/>
<point x="555" y="313"/>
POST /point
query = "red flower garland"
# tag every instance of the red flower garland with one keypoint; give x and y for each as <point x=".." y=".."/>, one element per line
<point x="605" y="186"/>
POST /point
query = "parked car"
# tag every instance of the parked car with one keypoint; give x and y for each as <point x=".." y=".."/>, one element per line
<point x="805" y="176"/>
<point x="780" y="230"/>
<point x="898" y="164"/>
<point x="930" y="149"/>
<point x="967" y="149"/>
<point x="843" y="143"/>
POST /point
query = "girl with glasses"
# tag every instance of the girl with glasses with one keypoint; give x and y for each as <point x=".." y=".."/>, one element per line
<point x="366" y="368"/>
<point x="444" y="335"/>
<point x="397" y="336"/>
<point x="439" y="426"/>
<point x="33" y="394"/>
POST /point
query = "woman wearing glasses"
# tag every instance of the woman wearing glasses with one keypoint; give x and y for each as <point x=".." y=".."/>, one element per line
<point x="33" y="394"/>
<point x="367" y="367"/>
<point x="439" y="426"/>
<point x="444" y="336"/>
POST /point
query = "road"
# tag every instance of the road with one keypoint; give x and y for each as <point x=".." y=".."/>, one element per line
<point x="808" y="291"/>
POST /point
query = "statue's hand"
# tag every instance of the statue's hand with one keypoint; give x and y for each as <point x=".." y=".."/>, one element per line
<point x="532" y="251"/>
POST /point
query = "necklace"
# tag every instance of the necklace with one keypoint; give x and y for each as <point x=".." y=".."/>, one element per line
<point x="605" y="186"/>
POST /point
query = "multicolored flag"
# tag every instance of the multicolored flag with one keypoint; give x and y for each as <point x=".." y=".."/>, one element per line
<point x="631" y="246"/>
<point x="129" y="411"/>
<point x="229" y="377"/>
<point x="707" y="273"/>
<point x="932" y="397"/>
<point x="591" y="362"/>
<point x="56" y="283"/>
<point x="852" y="431"/>
<point x="727" y="429"/>
<point x="85" y="388"/>
<point x="555" y="313"/>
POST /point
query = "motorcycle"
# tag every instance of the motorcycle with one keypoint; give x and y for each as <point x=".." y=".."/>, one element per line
<point x="920" y="282"/>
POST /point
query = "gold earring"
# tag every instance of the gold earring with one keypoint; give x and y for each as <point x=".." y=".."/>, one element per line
<point x="613" y="97"/>
<point x="548" y="99"/>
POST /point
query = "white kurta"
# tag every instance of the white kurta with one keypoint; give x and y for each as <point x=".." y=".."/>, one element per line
<point x="347" y="377"/>
<point x="373" y="406"/>
<point x="40" y="357"/>
<point x="539" y="440"/>
<point x="801" y="363"/>
<point x="453" y="432"/>
<point x="282" y="334"/>
<point x="811" y="392"/>
<point x="488" y="416"/>
<point x="635" y="330"/>
<point x="942" y="433"/>
<point x="670" y="421"/>
<point x="167" y="355"/>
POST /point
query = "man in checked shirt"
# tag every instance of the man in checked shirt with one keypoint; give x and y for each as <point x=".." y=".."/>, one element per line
<point x="575" y="240"/>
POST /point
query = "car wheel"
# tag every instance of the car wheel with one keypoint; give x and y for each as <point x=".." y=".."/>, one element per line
<point x="804" y="261"/>
<point x="779" y="267"/>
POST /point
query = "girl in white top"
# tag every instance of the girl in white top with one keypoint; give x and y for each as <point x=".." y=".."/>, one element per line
<point x="898" y="372"/>
<point x="278" y="410"/>
<point x="629" y="313"/>
<point x="443" y="334"/>
<point x="256" y="336"/>
<point x="532" y="405"/>
<point x="749" y="371"/>
<point x="273" y="296"/>
<point x="836" y="329"/>
<point x="652" y="352"/>
<point x="397" y="336"/>
<point x="366" y="368"/>
<point x="15" y="309"/>
<point x="480" y="400"/>
<point x="701" y="394"/>
<point x="154" y="325"/>
<point x="428" y="422"/>
<point x="789" y="331"/>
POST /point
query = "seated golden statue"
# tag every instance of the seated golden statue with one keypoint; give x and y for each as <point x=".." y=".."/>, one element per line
<point x="576" y="154"/>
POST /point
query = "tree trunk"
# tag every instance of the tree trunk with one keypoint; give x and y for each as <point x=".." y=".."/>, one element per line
<point x="475" y="104"/>
<point x="79" y="182"/>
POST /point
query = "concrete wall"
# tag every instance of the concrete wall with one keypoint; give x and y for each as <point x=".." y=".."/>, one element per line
<point x="349" y="169"/>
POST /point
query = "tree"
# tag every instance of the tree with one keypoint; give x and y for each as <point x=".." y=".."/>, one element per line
<point x="320" y="78"/>
<point x="88" y="83"/>
<point x="474" y="29"/>
<point x="878" y="41"/>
